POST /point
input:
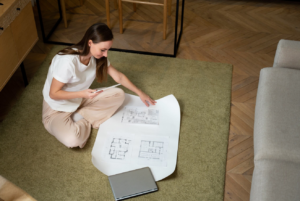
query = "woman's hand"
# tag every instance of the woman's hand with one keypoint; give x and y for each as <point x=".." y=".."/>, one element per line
<point x="122" y="79"/>
<point x="146" y="99"/>
<point x="90" y="93"/>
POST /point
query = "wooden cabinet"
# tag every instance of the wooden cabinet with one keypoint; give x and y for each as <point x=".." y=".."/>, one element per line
<point x="18" y="35"/>
<point x="9" y="58"/>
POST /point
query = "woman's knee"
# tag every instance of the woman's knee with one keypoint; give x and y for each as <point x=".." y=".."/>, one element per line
<point x="112" y="93"/>
<point x="74" y="140"/>
<point x="121" y="94"/>
<point x="71" y="141"/>
<point x="73" y="134"/>
<point x="116" y="95"/>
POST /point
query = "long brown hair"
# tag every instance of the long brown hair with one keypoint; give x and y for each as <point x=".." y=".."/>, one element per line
<point x="97" y="33"/>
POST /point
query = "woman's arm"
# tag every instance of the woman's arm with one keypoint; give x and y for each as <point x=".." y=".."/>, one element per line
<point x="57" y="94"/>
<point x="123" y="80"/>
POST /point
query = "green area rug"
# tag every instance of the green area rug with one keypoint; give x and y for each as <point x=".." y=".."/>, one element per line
<point x="36" y="162"/>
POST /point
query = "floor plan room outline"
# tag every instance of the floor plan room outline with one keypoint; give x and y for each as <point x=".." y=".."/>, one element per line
<point x="151" y="150"/>
<point x="119" y="148"/>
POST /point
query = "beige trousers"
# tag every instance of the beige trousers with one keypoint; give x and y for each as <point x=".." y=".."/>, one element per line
<point x="95" y="111"/>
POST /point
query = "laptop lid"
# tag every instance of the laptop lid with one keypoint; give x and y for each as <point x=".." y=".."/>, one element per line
<point x="133" y="183"/>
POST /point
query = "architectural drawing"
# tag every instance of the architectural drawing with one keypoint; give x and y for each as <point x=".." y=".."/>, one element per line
<point x="119" y="148"/>
<point x="143" y="145"/>
<point x="152" y="152"/>
<point x="140" y="115"/>
<point x="136" y="149"/>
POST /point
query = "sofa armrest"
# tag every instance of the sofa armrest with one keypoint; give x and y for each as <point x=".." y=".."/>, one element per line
<point x="287" y="54"/>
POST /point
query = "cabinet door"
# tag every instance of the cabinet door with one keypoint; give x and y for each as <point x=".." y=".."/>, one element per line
<point x="24" y="31"/>
<point x="8" y="56"/>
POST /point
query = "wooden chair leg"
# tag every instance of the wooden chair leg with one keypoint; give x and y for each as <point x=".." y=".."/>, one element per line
<point x="120" y="16"/>
<point x="63" y="7"/>
<point x="107" y="12"/>
<point x="116" y="4"/>
<point x="170" y="6"/>
<point x="134" y="7"/>
<point x="165" y="18"/>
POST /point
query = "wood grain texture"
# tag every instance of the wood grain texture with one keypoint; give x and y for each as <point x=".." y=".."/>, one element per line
<point x="242" y="33"/>
<point x="9" y="191"/>
<point x="8" y="56"/>
<point x="16" y="42"/>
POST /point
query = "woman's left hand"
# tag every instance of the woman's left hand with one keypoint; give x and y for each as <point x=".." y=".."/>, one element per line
<point x="146" y="99"/>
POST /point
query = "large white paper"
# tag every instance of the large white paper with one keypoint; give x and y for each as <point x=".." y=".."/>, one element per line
<point x="151" y="140"/>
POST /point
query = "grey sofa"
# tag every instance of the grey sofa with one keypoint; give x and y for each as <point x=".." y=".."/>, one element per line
<point x="276" y="175"/>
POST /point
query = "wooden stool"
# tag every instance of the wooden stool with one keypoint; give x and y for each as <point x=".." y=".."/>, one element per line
<point x="166" y="5"/>
<point x="107" y="11"/>
<point x="64" y="14"/>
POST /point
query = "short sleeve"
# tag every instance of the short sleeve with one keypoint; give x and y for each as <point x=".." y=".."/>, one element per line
<point x="63" y="68"/>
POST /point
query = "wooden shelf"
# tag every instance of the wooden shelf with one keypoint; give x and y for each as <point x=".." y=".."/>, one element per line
<point x="17" y="38"/>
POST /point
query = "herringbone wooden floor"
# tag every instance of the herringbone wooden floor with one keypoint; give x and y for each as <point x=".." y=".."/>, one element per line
<point x="242" y="33"/>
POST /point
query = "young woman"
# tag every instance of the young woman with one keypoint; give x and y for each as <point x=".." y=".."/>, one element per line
<point x="70" y="108"/>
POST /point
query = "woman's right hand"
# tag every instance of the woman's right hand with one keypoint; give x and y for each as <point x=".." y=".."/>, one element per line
<point x="90" y="93"/>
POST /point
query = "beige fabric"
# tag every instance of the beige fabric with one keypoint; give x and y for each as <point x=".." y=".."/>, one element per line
<point x="275" y="180"/>
<point x="287" y="54"/>
<point x="277" y="115"/>
<point x="95" y="111"/>
<point x="276" y="175"/>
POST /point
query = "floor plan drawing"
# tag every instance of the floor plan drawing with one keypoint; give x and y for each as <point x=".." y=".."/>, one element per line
<point x="139" y="149"/>
<point x="126" y="142"/>
<point x="119" y="148"/>
<point x="152" y="152"/>
<point x="140" y="115"/>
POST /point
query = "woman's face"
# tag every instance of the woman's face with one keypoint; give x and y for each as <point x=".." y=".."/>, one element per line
<point x="99" y="50"/>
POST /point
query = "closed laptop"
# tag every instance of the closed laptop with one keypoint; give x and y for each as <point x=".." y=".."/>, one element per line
<point x="133" y="183"/>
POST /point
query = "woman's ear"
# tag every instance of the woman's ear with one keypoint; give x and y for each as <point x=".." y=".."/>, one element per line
<point x="90" y="43"/>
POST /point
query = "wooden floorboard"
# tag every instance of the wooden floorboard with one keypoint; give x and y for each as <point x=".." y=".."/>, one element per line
<point x="242" y="33"/>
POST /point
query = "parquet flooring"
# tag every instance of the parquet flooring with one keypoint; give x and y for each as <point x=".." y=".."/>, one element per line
<point x="242" y="33"/>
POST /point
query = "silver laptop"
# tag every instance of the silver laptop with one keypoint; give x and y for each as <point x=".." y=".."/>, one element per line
<point x="132" y="183"/>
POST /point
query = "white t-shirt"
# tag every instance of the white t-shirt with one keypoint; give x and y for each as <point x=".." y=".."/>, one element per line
<point x="77" y="76"/>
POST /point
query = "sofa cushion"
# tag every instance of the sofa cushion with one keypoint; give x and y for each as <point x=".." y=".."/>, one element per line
<point x="277" y="115"/>
<point x="287" y="54"/>
<point x="275" y="181"/>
